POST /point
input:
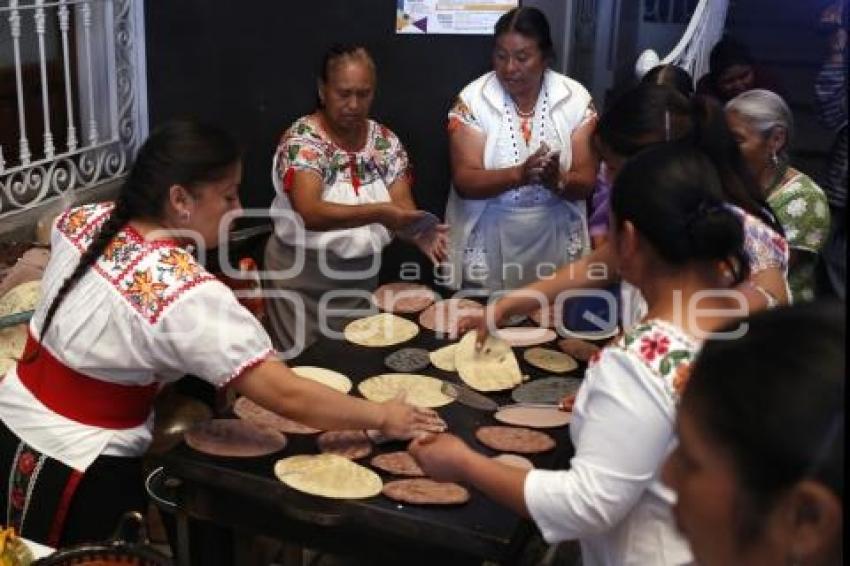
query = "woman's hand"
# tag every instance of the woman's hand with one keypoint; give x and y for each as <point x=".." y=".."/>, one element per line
<point x="404" y="421"/>
<point x="480" y="323"/>
<point x="531" y="170"/>
<point x="442" y="457"/>
<point x="551" y="175"/>
<point x="434" y="243"/>
<point x="567" y="403"/>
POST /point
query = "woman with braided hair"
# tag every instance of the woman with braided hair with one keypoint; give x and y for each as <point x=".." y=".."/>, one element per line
<point x="126" y="310"/>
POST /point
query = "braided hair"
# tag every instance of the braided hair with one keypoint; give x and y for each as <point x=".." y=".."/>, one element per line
<point x="179" y="152"/>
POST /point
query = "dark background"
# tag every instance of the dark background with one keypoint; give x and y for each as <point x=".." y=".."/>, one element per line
<point x="252" y="70"/>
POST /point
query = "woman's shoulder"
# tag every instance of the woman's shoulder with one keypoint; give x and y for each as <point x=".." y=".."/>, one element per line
<point x="304" y="128"/>
<point x="659" y="347"/>
<point x="475" y="89"/>
<point x="800" y="183"/>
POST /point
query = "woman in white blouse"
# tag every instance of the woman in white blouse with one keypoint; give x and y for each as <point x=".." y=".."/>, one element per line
<point x="522" y="163"/>
<point x="127" y="309"/>
<point x="670" y="228"/>
<point x="343" y="189"/>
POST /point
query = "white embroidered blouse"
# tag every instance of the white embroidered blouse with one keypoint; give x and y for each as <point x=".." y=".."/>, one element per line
<point x="611" y="499"/>
<point x="146" y="312"/>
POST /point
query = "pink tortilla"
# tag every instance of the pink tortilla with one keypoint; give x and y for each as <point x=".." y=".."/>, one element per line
<point x="403" y="297"/>
<point x="442" y="317"/>
<point x="246" y="409"/>
<point x="234" y="438"/>
<point x="533" y="417"/>
<point x="520" y="336"/>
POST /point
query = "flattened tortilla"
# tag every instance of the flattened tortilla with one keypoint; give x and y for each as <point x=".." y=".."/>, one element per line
<point x="492" y="368"/>
<point x="420" y="390"/>
<point x="380" y="330"/>
<point x="328" y="475"/>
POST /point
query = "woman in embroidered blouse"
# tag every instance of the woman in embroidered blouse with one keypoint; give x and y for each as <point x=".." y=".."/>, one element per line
<point x="126" y="309"/>
<point x="670" y="228"/>
<point x="522" y="163"/>
<point x="348" y="181"/>
<point x="763" y="127"/>
<point x="759" y="480"/>
<point x="642" y="117"/>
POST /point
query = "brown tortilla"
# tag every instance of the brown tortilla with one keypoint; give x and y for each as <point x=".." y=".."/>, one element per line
<point x="234" y="438"/>
<point x="401" y="297"/>
<point x="514" y="439"/>
<point x="397" y="463"/>
<point x="422" y="491"/>
<point x="577" y="348"/>
<point x="246" y="409"/>
<point x="442" y="317"/>
<point x="515" y="461"/>
<point x="351" y="444"/>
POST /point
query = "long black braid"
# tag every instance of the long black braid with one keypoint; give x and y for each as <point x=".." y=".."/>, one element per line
<point x="179" y="152"/>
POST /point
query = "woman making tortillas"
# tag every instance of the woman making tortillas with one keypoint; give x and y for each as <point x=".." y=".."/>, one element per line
<point x="670" y="227"/>
<point x="522" y="163"/>
<point x="126" y="309"/>
<point x="347" y="179"/>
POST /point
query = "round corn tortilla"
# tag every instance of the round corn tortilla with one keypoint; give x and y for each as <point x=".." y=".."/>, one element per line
<point x="532" y="417"/>
<point x="351" y="444"/>
<point x="246" y="409"/>
<point x="492" y="368"/>
<point x="380" y="330"/>
<point x="420" y="390"/>
<point x="577" y="348"/>
<point x="548" y="390"/>
<point x="399" y="463"/>
<point x="328" y="475"/>
<point x="234" y="438"/>
<point x="332" y="379"/>
<point x="22" y="298"/>
<point x="444" y="358"/>
<point x="514" y="439"/>
<point x="550" y="360"/>
<point x="442" y="317"/>
<point x="520" y="336"/>
<point x="403" y="297"/>
<point x="423" y="491"/>
<point x="407" y="360"/>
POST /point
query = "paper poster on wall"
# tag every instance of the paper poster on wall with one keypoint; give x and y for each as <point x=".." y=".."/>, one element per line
<point x="469" y="17"/>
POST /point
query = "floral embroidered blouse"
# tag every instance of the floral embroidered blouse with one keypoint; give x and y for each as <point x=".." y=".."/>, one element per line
<point x="146" y="312"/>
<point x="611" y="498"/>
<point x="359" y="177"/>
<point x="801" y="207"/>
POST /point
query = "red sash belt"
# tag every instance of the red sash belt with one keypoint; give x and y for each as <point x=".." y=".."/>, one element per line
<point x="82" y="398"/>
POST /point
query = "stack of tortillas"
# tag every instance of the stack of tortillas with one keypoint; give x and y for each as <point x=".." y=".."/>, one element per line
<point x="328" y="475"/>
<point x="332" y="379"/>
<point x="24" y="297"/>
<point x="403" y="297"/>
<point x="492" y="368"/>
<point x="380" y="330"/>
<point x="550" y="360"/>
<point x="419" y="390"/>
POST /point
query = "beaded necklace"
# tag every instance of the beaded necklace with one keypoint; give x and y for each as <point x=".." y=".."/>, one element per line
<point x="526" y="124"/>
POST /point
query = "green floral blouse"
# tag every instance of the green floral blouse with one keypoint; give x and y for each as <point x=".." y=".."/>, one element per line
<point x="801" y="207"/>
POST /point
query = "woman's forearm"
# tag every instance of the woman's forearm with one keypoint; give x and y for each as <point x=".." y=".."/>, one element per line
<point x="471" y="183"/>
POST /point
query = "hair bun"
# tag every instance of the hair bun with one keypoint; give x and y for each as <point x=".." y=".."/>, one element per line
<point x="714" y="232"/>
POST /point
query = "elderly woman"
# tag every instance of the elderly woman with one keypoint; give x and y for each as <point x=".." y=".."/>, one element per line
<point x="763" y="127"/>
<point x="347" y="178"/>
<point x="522" y="163"/>
<point x="760" y="480"/>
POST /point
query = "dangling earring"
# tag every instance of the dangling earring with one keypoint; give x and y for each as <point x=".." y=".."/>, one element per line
<point x="775" y="159"/>
<point x="185" y="216"/>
